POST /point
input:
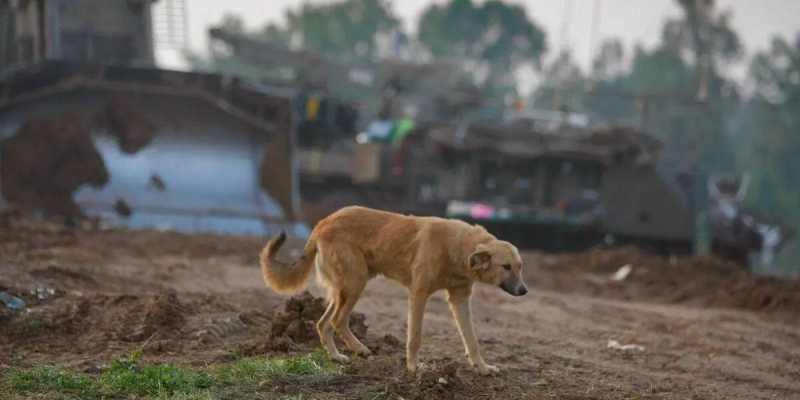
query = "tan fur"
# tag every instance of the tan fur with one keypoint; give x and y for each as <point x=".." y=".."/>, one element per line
<point x="425" y="254"/>
<point x="286" y="278"/>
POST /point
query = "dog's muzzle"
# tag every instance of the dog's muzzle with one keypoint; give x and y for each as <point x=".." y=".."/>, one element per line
<point x="514" y="287"/>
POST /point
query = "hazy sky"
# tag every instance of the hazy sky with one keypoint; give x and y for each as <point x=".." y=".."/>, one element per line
<point x="634" y="21"/>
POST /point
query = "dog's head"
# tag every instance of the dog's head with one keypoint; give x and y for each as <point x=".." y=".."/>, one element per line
<point x="498" y="263"/>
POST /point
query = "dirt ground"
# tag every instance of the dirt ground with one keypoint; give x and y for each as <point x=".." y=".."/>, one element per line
<point x="707" y="329"/>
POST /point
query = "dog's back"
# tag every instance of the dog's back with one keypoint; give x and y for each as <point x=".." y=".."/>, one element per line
<point x="392" y="243"/>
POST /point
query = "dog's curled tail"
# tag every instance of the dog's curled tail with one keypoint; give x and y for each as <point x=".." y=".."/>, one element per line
<point x="282" y="277"/>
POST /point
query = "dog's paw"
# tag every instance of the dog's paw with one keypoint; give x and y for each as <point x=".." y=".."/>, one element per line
<point x="413" y="368"/>
<point x="363" y="351"/>
<point x="340" y="358"/>
<point x="487" y="369"/>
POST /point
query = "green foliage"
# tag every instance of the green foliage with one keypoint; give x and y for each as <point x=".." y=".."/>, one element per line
<point x="767" y="127"/>
<point x="257" y="369"/>
<point x="200" y="395"/>
<point x="661" y="71"/>
<point x="494" y="35"/>
<point x="128" y="378"/>
<point x="563" y="85"/>
<point x="343" y="30"/>
<point x="499" y="33"/>
<point x="658" y="92"/>
<point x="703" y="31"/>
<point x="49" y="380"/>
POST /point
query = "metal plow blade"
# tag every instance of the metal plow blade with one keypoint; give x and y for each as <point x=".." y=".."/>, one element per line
<point x="148" y="159"/>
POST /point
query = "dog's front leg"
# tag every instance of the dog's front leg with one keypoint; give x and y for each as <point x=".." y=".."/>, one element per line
<point x="458" y="298"/>
<point x="416" y="309"/>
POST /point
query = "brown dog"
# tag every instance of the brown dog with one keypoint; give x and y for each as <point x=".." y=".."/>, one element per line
<point x="425" y="254"/>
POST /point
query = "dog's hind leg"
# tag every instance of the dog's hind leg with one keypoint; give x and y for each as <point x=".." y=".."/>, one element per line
<point x="324" y="325"/>
<point x="358" y="275"/>
<point x="325" y="330"/>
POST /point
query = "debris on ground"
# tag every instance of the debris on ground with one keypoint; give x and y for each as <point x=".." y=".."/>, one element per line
<point x="622" y="273"/>
<point x="438" y="378"/>
<point x="12" y="302"/>
<point x="43" y="293"/>
<point x="613" y="344"/>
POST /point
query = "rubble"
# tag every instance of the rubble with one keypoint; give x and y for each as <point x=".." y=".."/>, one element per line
<point x="615" y="345"/>
<point x="12" y="302"/>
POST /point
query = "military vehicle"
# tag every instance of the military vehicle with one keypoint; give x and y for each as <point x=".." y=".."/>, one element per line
<point x="544" y="179"/>
<point x="89" y="126"/>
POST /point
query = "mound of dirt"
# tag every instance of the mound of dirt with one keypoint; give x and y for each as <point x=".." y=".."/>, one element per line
<point x="703" y="281"/>
<point x="300" y="314"/>
<point x="21" y="233"/>
<point x="162" y="315"/>
<point x="164" y="312"/>
<point x="98" y="326"/>
<point x="60" y="319"/>
<point x="64" y="277"/>
<point x="438" y="380"/>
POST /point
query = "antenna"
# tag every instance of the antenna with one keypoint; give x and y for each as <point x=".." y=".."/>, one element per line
<point x="565" y="24"/>
<point x="557" y="96"/>
<point x="593" y="32"/>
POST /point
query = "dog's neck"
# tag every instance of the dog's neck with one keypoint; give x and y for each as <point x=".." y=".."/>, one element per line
<point x="466" y="241"/>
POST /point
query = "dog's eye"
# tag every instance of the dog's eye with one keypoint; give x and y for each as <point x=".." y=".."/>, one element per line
<point x="507" y="267"/>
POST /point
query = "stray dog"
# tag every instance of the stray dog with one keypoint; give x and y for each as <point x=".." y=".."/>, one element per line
<point x="425" y="254"/>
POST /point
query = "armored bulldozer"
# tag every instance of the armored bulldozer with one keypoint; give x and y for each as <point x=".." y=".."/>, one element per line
<point x="89" y="126"/>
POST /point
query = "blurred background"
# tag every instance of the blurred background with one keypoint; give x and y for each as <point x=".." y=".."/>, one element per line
<point x="559" y="125"/>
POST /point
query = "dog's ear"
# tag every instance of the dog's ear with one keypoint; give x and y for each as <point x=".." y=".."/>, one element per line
<point x="480" y="258"/>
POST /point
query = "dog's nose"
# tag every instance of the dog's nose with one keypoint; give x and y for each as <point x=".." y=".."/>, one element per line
<point x="522" y="291"/>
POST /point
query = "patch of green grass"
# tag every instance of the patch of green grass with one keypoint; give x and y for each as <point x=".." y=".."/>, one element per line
<point x="202" y="395"/>
<point x="127" y="378"/>
<point x="257" y="369"/>
<point x="47" y="380"/>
